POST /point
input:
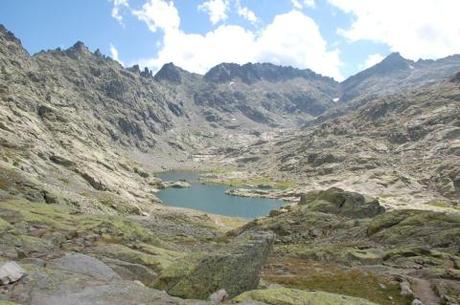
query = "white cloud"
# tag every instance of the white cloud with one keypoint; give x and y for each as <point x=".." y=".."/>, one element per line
<point x="294" y="39"/>
<point x="159" y="14"/>
<point x="291" y="39"/>
<point x="245" y="12"/>
<point x="310" y="3"/>
<point x="217" y="10"/>
<point x="198" y="53"/>
<point x="371" y="60"/>
<point x="415" y="28"/>
<point x="114" y="54"/>
<point x="118" y="5"/>
<point x="297" y="4"/>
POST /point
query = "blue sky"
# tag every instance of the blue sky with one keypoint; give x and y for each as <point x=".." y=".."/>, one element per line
<point x="333" y="37"/>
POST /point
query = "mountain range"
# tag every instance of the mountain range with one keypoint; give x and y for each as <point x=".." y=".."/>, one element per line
<point x="82" y="138"/>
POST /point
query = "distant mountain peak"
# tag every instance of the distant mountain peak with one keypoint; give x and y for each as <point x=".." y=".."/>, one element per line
<point x="79" y="46"/>
<point x="253" y="72"/>
<point x="78" y="50"/>
<point x="395" y="61"/>
<point x="170" y="72"/>
<point x="390" y="64"/>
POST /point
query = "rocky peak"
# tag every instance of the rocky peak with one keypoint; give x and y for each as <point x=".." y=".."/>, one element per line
<point x="169" y="72"/>
<point x="222" y="73"/>
<point x="79" y="47"/>
<point x="250" y="73"/>
<point x="77" y="50"/>
<point x="147" y="73"/>
<point x="135" y="69"/>
<point x="11" y="47"/>
<point x="392" y="62"/>
<point x="8" y="36"/>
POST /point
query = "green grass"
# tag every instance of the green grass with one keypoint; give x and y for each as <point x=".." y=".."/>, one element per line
<point x="315" y="276"/>
<point x="442" y="204"/>
<point x="254" y="182"/>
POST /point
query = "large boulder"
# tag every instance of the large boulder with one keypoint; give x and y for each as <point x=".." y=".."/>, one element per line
<point x="10" y="272"/>
<point x="338" y="201"/>
<point x="60" y="283"/>
<point x="286" y="296"/>
<point x="113" y="293"/>
<point x="235" y="268"/>
<point x="84" y="264"/>
<point x="132" y="271"/>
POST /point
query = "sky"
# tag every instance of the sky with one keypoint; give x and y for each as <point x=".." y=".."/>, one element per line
<point x="336" y="38"/>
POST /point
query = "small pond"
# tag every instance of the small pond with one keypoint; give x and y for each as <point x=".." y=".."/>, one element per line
<point x="212" y="198"/>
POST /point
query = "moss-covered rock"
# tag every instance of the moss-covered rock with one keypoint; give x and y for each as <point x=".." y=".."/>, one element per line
<point x="415" y="227"/>
<point x="287" y="296"/>
<point x="235" y="268"/>
<point x="338" y="201"/>
<point x="158" y="259"/>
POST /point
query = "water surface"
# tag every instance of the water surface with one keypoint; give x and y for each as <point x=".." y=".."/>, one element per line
<point x="212" y="198"/>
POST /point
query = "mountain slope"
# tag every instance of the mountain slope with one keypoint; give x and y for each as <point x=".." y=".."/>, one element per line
<point x="402" y="147"/>
<point x="79" y="128"/>
<point x="252" y="95"/>
<point x="75" y="127"/>
<point x="396" y="73"/>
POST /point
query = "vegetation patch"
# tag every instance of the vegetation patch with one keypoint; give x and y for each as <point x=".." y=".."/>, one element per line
<point x="316" y="276"/>
<point x="286" y="296"/>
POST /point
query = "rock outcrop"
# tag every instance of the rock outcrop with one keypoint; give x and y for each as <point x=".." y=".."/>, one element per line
<point x="338" y="201"/>
<point x="235" y="268"/>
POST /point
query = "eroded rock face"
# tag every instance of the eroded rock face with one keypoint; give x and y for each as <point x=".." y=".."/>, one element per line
<point x="338" y="201"/>
<point x="234" y="268"/>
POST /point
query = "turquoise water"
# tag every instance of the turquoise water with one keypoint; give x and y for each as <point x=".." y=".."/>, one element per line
<point x="212" y="198"/>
